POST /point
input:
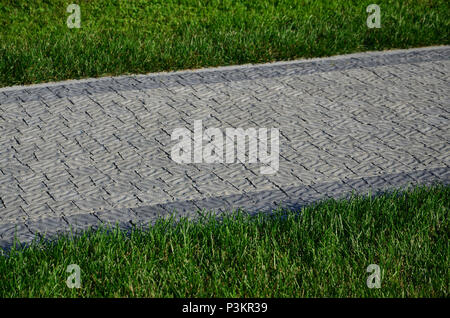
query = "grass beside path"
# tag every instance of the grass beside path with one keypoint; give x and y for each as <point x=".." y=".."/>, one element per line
<point x="120" y="37"/>
<point x="322" y="251"/>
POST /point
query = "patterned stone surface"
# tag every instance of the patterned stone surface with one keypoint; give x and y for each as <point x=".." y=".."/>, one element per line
<point x="76" y="154"/>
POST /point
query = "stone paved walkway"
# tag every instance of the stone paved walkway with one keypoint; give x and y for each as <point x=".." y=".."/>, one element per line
<point x="81" y="153"/>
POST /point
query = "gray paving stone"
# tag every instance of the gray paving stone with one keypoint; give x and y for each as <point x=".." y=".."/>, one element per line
<point x="180" y="207"/>
<point x="406" y="180"/>
<point x="18" y="233"/>
<point x="98" y="150"/>
<point x="148" y="215"/>
<point x="213" y="204"/>
<point x="81" y="222"/>
<point x="123" y="218"/>
<point x="48" y="227"/>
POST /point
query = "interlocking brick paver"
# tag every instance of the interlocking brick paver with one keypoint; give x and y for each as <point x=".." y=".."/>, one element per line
<point x="97" y="151"/>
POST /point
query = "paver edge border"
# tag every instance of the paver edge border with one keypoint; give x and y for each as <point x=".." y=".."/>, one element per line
<point x="126" y="223"/>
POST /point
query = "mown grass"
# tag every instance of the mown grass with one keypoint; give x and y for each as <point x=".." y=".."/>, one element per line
<point x="130" y="36"/>
<point x="322" y="250"/>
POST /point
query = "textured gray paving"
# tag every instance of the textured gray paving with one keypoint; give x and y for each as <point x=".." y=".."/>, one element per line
<point x="80" y="153"/>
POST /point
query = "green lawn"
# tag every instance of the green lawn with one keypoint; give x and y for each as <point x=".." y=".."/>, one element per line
<point x="322" y="251"/>
<point x="119" y="37"/>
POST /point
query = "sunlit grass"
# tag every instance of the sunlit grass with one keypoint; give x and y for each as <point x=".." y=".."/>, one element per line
<point x="322" y="250"/>
<point x="129" y="36"/>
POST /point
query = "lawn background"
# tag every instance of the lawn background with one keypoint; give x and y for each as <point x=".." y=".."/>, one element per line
<point x="129" y="36"/>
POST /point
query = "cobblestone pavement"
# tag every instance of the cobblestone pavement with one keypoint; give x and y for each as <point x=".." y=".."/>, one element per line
<point x="76" y="154"/>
